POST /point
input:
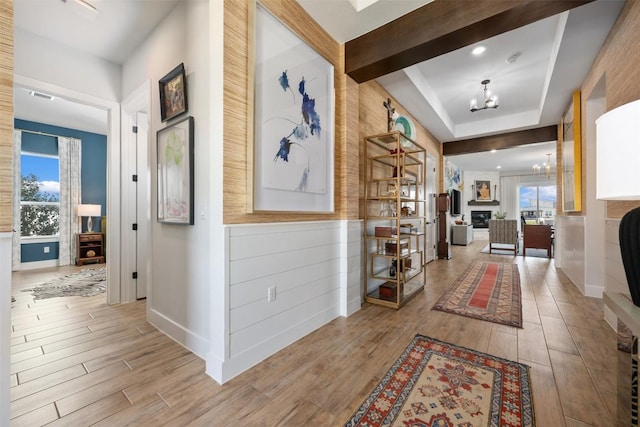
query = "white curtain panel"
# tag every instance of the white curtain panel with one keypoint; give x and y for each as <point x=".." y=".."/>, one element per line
<point x="17" y="183"/>
<point x="70" y="156"/>
<point x="509" y="192"/>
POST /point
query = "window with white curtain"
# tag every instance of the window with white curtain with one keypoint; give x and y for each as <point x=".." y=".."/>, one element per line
<point x="39" y="195"/>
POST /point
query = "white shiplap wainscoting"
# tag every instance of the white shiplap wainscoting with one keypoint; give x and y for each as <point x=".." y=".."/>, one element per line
<point x="314" y="271"/>
<point x="615" y="278"/>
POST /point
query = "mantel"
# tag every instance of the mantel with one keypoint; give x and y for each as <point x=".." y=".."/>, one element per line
<point x="487" y="203"/>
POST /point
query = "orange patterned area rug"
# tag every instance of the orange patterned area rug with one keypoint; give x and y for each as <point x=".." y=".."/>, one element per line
<point x="487" y="291"/>
<point x="436" y="384"/>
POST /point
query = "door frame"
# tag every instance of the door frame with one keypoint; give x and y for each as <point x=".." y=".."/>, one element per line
<point x="136" y="112"/>
<point x="113" y="171"/>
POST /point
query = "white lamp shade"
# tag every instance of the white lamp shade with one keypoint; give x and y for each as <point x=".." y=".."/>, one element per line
<point x="618" y="153"/>
<point x="89" y="210"/>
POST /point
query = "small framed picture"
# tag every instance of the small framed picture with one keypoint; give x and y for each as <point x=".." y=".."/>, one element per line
<point x="483" y="190"/>
<point x="173" y="94"/>
<point x="175" y="173"/>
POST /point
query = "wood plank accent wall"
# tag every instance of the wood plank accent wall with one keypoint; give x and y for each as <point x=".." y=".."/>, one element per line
<point x="618" y="62"/>
<point x="6" y="115"/>
<point x="373" y="120"/>
<point x="238" y="112"/>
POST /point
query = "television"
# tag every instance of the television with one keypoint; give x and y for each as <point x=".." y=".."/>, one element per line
<point x="455" y="202"/>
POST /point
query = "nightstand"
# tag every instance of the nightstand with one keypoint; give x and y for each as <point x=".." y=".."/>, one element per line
<point x="90" y="248"/>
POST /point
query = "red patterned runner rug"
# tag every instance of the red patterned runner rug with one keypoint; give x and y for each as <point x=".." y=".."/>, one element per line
<point x="434" y="383"/>
<point x="487" y="291"/>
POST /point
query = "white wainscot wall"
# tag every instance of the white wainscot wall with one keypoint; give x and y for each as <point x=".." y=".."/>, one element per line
<point x="315" y="268"/>
<point x="569" y="243"/>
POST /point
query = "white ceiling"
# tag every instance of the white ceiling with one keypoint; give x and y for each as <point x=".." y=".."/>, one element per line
<point x="534" y="91"/>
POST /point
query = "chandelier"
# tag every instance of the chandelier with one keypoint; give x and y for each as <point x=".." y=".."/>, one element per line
<point x="547" y="167"/>
<point x="490" y="101"/>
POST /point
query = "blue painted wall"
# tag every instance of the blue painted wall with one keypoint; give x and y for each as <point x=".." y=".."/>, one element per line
<point x="94" y="172"/>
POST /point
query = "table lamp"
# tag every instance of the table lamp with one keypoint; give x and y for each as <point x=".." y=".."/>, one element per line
<point x="89" y="211"/>
<point x="618" y="178"/>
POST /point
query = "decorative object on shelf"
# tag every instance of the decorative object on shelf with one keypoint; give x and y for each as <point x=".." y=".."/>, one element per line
<point x="391" y="114"/>
<point x="618" y="175"/>
<point x="91" y="253"/>
<point x="405" y="125"/>
<point x="500" y="215"/>
<point x="293" y="122"/>
<point x="175" y="173"/>
<point x="572" y="157"/>
<point x="482" y="190"/>
<point x="173" y="93"/>
<point x="89" y="211"/>
<point x="489" y="101"/>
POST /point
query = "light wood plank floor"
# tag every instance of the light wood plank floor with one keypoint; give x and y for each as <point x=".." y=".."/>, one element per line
<point x="78" y="362"/>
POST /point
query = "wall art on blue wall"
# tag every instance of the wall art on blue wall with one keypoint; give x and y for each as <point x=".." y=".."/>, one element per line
<point x="294" y="121"/>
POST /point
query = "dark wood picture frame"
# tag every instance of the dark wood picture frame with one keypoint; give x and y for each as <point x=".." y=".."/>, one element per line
<point x="173" y="93"/>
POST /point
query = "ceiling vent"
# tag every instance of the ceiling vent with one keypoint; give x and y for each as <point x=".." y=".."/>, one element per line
<point x="41" y="95"/>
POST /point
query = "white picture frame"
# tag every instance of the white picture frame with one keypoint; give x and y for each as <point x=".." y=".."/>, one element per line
<point x="294" y="104"/>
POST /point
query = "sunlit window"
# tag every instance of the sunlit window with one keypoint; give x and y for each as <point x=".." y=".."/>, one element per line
<point x="39" y="195"/>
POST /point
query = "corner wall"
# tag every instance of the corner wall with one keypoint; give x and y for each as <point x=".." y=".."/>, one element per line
<point x="177" y="302"/>
<point x="6" y="199"/>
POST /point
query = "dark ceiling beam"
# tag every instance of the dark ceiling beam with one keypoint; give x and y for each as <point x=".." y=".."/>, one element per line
<point x="499" y="142"/>
<point x="440" y="27"/>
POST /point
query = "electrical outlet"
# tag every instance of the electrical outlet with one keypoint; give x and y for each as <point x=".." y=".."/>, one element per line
<point x="46" y="249"/>
<point x="271" y="294"/>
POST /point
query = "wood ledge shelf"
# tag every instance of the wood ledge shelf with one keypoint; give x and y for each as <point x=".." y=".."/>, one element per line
<point x="487" y="203"/>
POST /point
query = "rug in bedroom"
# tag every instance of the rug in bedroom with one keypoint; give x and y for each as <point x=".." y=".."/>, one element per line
<point x="85" y="283"/>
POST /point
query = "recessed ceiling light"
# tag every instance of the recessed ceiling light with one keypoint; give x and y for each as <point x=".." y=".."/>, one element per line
<point x="478" y="50"/>
<point x="494" y="150"/>
<point x="498" y="167"/>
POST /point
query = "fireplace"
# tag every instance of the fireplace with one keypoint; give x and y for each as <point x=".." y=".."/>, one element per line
<point x="480" y="219"/>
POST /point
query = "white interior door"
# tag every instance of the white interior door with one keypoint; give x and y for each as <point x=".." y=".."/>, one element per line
<point x="134" y="206"/>
<point x="431" y="228"/>
<point x="135" y="196"/>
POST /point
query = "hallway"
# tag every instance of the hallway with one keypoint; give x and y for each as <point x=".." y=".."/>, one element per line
<point x="77" y="361"/>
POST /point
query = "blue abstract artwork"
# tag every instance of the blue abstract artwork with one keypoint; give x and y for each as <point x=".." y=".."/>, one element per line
<point x="294" y="116"/>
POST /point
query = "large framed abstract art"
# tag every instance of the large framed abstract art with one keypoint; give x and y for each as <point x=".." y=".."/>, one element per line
<point x="293" y="152"/>
<point x="175" y="173"/>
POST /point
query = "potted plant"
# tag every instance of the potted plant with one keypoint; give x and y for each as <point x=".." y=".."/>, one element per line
<point x="500" y="215"/>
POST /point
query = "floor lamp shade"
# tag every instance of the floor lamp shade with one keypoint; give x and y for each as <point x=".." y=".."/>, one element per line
<point x="89" y="211"/>
<point x="617" y="153"/>
<point x="618" y="178"/>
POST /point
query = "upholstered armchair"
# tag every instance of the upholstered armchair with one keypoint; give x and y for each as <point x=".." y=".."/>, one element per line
<point x="503" y="232"/>
<point x="537" y="237"/>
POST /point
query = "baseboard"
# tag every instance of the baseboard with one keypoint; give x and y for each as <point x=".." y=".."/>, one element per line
<point x="593" y="291"/>
<point x="354" y="305"/>
<point x="39" y="264"/>
<point x="194" y="343"/>
<point x="223" y="371"/>
<point x="610" y="318"/>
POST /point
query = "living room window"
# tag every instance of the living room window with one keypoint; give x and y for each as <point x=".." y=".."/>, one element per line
<point x="39" y="195"/>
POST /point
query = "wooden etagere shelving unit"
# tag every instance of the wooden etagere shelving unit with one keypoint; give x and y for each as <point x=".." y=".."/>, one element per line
<point x="394" y="220"/>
